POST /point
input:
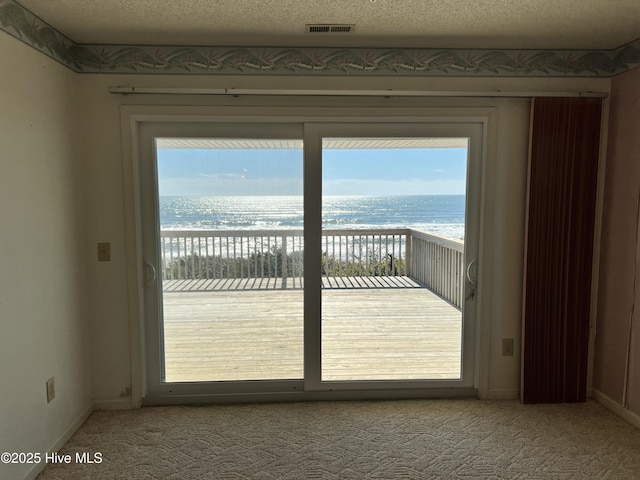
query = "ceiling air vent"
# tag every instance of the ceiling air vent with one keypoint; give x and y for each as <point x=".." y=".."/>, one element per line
<point x="329" y="28"/>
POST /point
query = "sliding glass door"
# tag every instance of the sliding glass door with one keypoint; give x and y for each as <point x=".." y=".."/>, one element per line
<point x="398" y="241"/>
<point x="295" y="259"/>
<point x="387" y="202"/>
<point x="231" y="244"/>
<point x="225" y="256"/>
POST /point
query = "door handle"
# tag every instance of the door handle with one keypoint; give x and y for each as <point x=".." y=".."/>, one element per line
<point x="473" y="282"/>
<point x="150" y="280"/>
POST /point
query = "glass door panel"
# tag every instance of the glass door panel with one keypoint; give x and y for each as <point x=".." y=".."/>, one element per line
<point x="393" y="230"/>
<point x="230" y="248"/>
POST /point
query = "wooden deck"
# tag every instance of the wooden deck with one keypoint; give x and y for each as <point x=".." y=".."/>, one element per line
<point x="374" y="328"/>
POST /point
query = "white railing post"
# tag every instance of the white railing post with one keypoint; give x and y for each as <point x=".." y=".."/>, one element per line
<point x="408" y="262"/>
<point x="284" y="261"/>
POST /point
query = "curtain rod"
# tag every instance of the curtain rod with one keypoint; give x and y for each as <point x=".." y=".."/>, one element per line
<point x="122" y="90"/>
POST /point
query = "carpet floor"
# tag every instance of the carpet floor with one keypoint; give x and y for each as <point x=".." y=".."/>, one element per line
<point x="413" y="439"/>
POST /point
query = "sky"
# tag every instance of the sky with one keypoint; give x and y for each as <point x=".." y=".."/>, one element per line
<point x="222" y="172"/>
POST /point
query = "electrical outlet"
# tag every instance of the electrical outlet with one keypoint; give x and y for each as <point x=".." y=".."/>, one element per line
<point x="51" y="389"/>
<point x="104" y="252"/>
<point x="507" y="347"/>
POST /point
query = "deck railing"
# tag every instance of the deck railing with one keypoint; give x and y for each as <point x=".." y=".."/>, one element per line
<point x="433" y="261"/>
<point x="224" y="254"/>
<point x="438" y="263"/>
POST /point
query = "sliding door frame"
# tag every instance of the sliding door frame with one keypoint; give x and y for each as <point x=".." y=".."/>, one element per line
<point x="150" y="224"/>
<point x="314" y="134"/>
<point x="134" y="121"/>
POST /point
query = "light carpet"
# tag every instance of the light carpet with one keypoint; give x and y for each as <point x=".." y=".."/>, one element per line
<point x="413" y="439"/>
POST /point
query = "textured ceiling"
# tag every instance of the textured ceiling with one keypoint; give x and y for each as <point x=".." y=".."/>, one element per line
<point x="539" y="24"/>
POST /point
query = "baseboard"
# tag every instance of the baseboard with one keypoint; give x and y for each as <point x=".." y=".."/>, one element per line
<point x="113" y="404"/>
<point x="61" y="440"/>
<point x="616" y="408"/>
<point x="506" y="394"/>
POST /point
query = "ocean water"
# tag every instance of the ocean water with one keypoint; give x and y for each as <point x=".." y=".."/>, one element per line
<point x="438" y="214"/>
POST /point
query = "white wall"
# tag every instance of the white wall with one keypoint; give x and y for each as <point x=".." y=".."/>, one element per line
<point x="44" y="328"/>
<point x="617" y="361"/>
<point x="504" y="197"/>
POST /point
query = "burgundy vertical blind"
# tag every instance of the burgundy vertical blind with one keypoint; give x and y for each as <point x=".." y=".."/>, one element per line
<point x="563" y="170"/>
